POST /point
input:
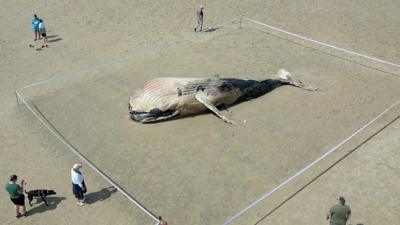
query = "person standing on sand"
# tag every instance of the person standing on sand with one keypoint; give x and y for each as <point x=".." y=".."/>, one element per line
<point x="35" y="27"/>
<point x="42" y="31"/>
<point x="200" y="18"/>
<point x="339" y="213"/>
<point x="78" y="184"/>
<point x="17" y="196"/>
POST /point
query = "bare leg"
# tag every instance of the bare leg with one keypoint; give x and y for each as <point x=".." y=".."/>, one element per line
<point x="199" y="24"/>
<point x="22" y="210"/>
<point x="45" y="41"/>
<point x="36" y="34"/>
<point x="16" y="210"/>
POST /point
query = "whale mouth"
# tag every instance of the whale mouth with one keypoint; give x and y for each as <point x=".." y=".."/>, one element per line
<point x="153" y="115"/>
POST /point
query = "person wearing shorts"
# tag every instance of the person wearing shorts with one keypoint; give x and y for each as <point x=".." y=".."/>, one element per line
<point x="35" y="27"/>
<point x="16" y="195"/>
<point x="42" y="31"/>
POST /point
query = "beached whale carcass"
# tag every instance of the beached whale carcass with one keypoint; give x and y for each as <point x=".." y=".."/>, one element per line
<point x="165" y="98"/>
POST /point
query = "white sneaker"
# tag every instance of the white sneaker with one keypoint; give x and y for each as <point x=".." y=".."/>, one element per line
<point x="80" y="203"/>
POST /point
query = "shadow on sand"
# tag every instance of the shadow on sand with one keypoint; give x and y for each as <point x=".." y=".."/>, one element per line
<point x="101" y="195"/>
<point x="54" y="40"/>
<point x="52" y="201"/>
<point x="210" y="29"/>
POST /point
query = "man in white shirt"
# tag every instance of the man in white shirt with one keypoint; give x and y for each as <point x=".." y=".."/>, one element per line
<point x="78" y="184"/>
<point x="42" y="31"/>
<point x="200" y="17"/>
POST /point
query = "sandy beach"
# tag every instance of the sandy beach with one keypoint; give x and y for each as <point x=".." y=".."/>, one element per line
<point x="199" y="170"/>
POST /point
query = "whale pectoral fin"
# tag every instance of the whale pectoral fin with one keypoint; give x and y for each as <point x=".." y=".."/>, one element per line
<point x="202" y="98"/>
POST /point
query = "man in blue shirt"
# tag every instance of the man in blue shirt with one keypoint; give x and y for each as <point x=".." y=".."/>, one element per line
<point x="35" y="26"/>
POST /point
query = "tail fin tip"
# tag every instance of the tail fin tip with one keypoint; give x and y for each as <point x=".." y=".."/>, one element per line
<point x="284" y="74"/>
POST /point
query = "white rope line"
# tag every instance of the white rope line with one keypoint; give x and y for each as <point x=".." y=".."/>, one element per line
<point x="186" y="37"/>
<point x="324" y="44"/>
<point x="172" y="43"/>
<point x="332" y="149"/>
<point x="310" y="165"/>
<point x="83" y="158"/>
<point x="55" y="78"/>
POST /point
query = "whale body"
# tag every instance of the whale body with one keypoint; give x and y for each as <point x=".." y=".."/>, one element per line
<point x="165" y="98"/>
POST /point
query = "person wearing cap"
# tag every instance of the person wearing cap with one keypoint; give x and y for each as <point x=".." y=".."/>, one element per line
<point x="339" y="213"/>
<point x="17" y="196"/>
<point x="200" y="17"/>
<point x="78" y="184"/>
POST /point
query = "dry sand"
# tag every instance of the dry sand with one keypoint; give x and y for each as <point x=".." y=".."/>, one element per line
<point x="208" y="174"/>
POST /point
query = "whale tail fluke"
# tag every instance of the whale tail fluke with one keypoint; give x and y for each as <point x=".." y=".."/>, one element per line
<point x="287" y="77"/>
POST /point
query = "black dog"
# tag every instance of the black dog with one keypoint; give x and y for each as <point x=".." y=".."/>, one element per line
<point x="39" y="194"/>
